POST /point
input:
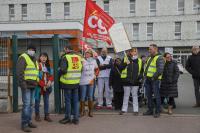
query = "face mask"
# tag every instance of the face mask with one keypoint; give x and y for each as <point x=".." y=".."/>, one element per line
<point x="31" y="53"/>
<point x="89" y="59"/>
<point x="134" y="57"/>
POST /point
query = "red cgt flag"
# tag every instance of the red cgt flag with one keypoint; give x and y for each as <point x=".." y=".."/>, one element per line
<point x="96" y="23"/>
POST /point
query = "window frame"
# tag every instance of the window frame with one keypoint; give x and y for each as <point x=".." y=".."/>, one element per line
<point x="152" y="12"/>
<point x="132" y="3"/>
<point x="11" y="11"/>
<point x="66" y="6"/>
<point x="24" y="7"/>
<point x="178" y="34"/>
<point x="180" y="10"/>
<point x="106" y="3"/>
<point x="136" y="36"/>
<point x="196" y="9"/>
<point x="148" y="34"/>
<point x="48" y="8"/>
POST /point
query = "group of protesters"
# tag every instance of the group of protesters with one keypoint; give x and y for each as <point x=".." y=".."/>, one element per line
<point x="115" y="79"/>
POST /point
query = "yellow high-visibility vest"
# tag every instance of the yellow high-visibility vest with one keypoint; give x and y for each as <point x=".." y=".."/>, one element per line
<point x="32" y="70"/>
<point x="152" y="67"/>
<point x="73" y="74"/>
<point x="124" y="72"/>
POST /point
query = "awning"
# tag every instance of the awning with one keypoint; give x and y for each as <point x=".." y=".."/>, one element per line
<point x="40" y="36"/>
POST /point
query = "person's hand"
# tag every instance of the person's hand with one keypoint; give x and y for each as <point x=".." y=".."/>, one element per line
<point x="127" y="62"/>
<point x="45" y="88"/>
<point x="91" y="82"/>
<point x="102" y="65"/>
<point x="48" y="84"/>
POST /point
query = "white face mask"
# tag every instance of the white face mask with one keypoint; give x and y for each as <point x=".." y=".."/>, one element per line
<point x="31" y="52"/>
<point x="89" y="59"/>
<point x="134" y="57"/>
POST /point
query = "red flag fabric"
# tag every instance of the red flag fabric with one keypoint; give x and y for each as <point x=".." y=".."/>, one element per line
<point x="96" y="23"/>
<point x="84" y="45"/>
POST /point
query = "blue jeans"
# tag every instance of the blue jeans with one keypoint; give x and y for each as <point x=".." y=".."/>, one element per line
<point x="94" y="88"/>
<point x="71" y="94"/>
<point x="153" y="87"/>
<point x="46" y="102"/>
<point x="86" y="92"/>
<point x="27" y="99"/>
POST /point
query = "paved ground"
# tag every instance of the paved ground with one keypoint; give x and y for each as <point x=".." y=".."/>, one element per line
<point x="105" y="123"/>
<point x="184" y="120"/>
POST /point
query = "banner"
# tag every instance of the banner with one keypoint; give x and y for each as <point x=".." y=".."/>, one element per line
<point x="96" y="23"/>
<point x="119" y="38"/>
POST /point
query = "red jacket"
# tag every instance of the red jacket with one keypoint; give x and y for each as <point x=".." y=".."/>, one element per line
<point x="49" y="77"/>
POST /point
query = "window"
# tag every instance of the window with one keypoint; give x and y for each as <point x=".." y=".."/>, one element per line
<point x="94" y="1"/>
<point x="136" y="31"/>
<point x="149" y="31"/>
<point x="48" y="10"/>
<point x="66" y="8"/>
<point x="198" y="29"/>
<point x="24" y="11"/>
<point x="152" y="7"/>
<point x="106" y="6"/>
<point x="196" y="6"/>
<point x="181" y="6"/>
<point x="132" y="6"/>
<point x="11" y="11"/>
<point x="177" y="30"/>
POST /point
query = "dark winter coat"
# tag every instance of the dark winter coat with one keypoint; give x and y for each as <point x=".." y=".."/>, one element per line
<point x="133" y="78"/>
<point x="169" y="87"/>
<point x="193" y="65"/>
<point x="115" y="79"/>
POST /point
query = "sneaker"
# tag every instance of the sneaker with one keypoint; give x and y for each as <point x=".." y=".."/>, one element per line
<point x="148" y="113"/>
<point x="26" y="129"/>
<point x="65" y="121"/>
<point x="135" y="113"/>
<point x="31" y="125"/>
<point x="109" y="107"/>
<point x="37" y="118"/>
<point x="76" y="122"/>
<point x="121" y="112"/>
<point x="99" y="107"/>
<point x="47" y="118"/>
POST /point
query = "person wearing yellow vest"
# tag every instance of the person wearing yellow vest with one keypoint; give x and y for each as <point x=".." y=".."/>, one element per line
<point x="153" y="74"/>
<point x="131" y="76"/>
<point x="71" y="67"/>
<point x="27" y="76"/>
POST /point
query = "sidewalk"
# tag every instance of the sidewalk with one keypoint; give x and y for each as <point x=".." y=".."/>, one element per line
<point x="108" y="123"/>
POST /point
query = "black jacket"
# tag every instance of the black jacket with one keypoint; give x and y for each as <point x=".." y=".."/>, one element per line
<point x="115" y="79"/>
<point x="169" y="80"/>
<point x="193" y="65"/>
<point x="133" y="77"/>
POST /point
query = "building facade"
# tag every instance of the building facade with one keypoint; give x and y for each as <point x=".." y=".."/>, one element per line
<point x="174" y="24"/>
